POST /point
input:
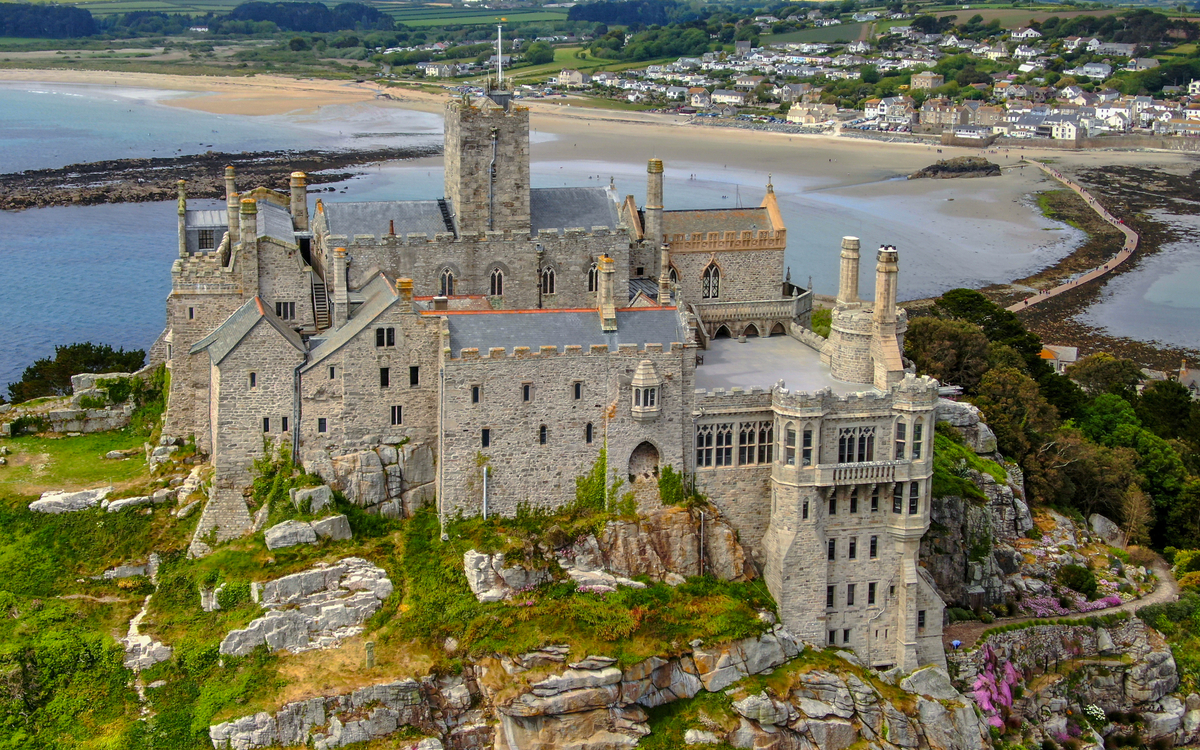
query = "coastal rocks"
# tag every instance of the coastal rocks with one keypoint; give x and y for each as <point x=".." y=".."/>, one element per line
<point x="142" y="651"/>
<point x="968" y="420"/>
<point x="159" y="497"/>
<point x="491" y="581"/>
<point x="311" y="499"/>
<point x="933" y="682"/>
<point x="389" y="480"/>
<point x="666" y="541"/>
<point x="292" y="532"/>
<point x="959" y="166"/>
<point x="69" y="502"/>
<point x="312" y="609"/>
<point x="432" y="706"/>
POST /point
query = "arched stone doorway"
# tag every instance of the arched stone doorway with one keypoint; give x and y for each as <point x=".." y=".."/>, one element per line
<point x="722" y="333"/>
<point x="751" y="331"/>
<point x="778" y="330"/>
<point x="643" y="463"/>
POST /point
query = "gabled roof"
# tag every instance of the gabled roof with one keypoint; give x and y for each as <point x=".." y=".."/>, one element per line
<point x="377" y="217"/>
<point x="379" y="295"/>
<point x="275" y="222"/>
<point x="229" y="334"/>
<point x="572" y="207"/>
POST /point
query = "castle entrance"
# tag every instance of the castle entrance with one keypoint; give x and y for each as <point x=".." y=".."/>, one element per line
<point x="643" y="475"/>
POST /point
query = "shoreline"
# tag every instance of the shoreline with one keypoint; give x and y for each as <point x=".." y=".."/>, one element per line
<point x="843" y="171"/>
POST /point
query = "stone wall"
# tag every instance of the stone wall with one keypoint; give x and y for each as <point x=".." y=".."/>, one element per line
<point x="522" y="470"/>
<point x="283" y="276"/>
<point x="471" y="130"/>
<point x="745" y="274"/>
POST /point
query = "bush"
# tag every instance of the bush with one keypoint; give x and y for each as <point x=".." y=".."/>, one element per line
<point x="52" y="377"/>
<point x="822" y="322"/>
<point x="29" y="423"/>
<point x="1078" y="578"/>
<point x="958" y="614"/>
<point x="92" y="402"/>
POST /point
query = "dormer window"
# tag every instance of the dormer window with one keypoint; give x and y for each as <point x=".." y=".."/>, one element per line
<point x="647" y="400"/>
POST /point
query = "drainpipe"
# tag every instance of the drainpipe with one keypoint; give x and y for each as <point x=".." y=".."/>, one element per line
<point x="441" y="463"/>
<point x="541" y="253"/>
<point x="485" y="476"/>
<point x="296" y="409"/>
<point x="701" y="542"/>
<point x="492" y="183"/>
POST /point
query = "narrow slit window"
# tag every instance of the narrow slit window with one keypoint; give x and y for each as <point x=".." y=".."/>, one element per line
<point x="870" y="593"/>
<point x="284" y="426"/>
<point x="254" y="380"/>
<point x="918" y="434"/>
<point x="485" y="437"/>
<point x="898" y="498"/>
<point x="543" y="434"/>
<point x="385" y="377"/>
<point x="849" y="595"/>
<point x="874" y="547"/>
<point x="266" y="424"/>
<point x="474" y="394"/>
<point x="832" y="549"/>
<point x="414" y="376"/>
<point x="322" y="424"/>
<point x="589" y="433"/>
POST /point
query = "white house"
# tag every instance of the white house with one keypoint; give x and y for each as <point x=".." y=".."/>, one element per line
<point x="1025" y="33"/>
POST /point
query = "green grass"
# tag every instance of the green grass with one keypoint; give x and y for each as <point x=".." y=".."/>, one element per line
<point x="950" y="458"/>
<point x="40" y="464"/>
<point x="847" y="31"/>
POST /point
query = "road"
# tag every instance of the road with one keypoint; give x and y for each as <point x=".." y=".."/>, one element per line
<point x="1127" y="250"/>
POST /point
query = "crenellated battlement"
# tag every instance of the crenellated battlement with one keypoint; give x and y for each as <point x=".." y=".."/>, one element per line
<point x="471" y="354"/>
<point x="506" y="236"/>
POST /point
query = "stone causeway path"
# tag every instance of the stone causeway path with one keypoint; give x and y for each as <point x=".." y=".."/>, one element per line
<point x="1130" y="246"/>
<point x="1166" y="591"/>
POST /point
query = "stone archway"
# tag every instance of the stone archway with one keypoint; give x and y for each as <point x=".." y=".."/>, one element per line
<point x="722" y="333"/>
<point x="643" y="463"/>
<point x="751" y="331"/>
<point x="777" y="330"/>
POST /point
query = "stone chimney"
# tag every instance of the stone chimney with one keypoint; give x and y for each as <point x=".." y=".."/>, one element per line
<point x="653" y="211"/>
<point x="664" y="276"/>
<point x="231" y="205"/>
<point x="848" y="283"/>
<point x="607" y="304"/>
<point x="404" y="290"/>
<point x="885" y="347"/>
<point x="300" y="201"/>
<point x="182" y="188"/>
<point x="341" y="295"/>
<point x="248" y="247"/>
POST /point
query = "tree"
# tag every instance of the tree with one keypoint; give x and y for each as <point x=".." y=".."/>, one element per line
<point x="298" y="44"/>
<point x="1104" y="373"/>
<point x="1162" y="470"/>
<point x="1183" y="518"/>
<point x="869" y="74"/>
<point x="1104" y="415"/>
<point x="1165" y="408"/>
<point x="539" y="53"/>
<point x="1015" y="410"/>
<point x="52" y="377"/>
<point x="1137" y="514"/>
<point x="953" y="351"/>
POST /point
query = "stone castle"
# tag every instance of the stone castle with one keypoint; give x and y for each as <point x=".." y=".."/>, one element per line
<point x="479" y="350"/>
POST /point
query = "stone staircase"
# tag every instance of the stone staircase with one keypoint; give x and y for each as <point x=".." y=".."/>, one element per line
<point x="320" y="303"/>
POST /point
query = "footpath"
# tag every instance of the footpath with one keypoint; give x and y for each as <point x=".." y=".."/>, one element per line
<point x="1130" y="246"/>
<point x="1166" y="591"/>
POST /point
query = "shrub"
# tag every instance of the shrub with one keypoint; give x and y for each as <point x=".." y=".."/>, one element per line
<point x="93" y="402"/>
<point x="1078" y="578"/>
<point x="233" y="594"/>
<point x="958" y="614"/>
<point x="822" y="322"/>
<point x="118" y="389"/>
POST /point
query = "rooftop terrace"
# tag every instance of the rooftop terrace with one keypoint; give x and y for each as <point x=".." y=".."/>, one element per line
<point x="763" y="362"/>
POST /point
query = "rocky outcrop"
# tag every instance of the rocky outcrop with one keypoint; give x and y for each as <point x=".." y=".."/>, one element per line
<point x="667" y="541"/>
<point x="438" y="706"/>
<point x="959" y="166"/>
<point x="968" y="420"/>
<point x="292" y="532"/>
<point x="492" y="581"/>
<point x="69" y="502"/>
<point x="312" y="609"/>
<point x="142" y="651"/>
<point x="1107" y="530"/>
<point x="311" y="499"/>
<point x="157" y="498"/>
<point x="392" y="480"/>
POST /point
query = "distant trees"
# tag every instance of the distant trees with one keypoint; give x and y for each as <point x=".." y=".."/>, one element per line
<point x="314" y="17"/>
<point x="45" y="21"/>
<point x="52" y="377"/>
<point x="628" y="13"/>
<point x="539" y="53"/>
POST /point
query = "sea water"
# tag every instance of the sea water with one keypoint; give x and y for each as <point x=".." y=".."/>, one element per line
<point x="102" y="273"/>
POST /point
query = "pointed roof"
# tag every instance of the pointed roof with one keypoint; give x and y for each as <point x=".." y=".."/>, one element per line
<point x="225" y="337"/>
<point x="379" y="295"/>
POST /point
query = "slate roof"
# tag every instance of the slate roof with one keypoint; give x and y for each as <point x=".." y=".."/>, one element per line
<point x="379" y="296"/>
<point x="207" y="218"/>
<point x="715" y="220"/>
<point x="648" y="287"/>
<point x="572" y="207"/>
<point x="537" y="328"/>
<point x="275" y="222"/>
<point x="229" y="334"/>
<point x="372" y="217"/>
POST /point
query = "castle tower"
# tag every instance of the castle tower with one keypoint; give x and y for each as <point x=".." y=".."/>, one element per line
<point x="299" y="185"/>
<point x="182" y="187"/>
<point x="848" y="283"/>
<point x="885" y="345"/>
<point x="247" y="263"/>
<point x="653" y="211"/>
<point x="487" y="165"/>
<point x="231" y="205"/>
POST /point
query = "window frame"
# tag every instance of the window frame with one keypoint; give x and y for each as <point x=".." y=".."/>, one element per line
<point x="322" y="425"/>
<point x="397" y="415"/>
<point x="496" y="283"/>
<point x="710" y="282"/>
<point x="385" y="377"/>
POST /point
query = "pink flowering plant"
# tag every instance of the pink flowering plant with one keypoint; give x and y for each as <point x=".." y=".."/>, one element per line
<point x="993" y="688"/>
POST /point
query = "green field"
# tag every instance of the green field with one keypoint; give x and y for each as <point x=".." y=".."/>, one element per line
<point x="847" y="31"/>
<point x="564" y="58"/>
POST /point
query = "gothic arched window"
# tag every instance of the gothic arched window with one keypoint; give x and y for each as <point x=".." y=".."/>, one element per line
<point x="497" y="286"/>
<point x="674" y="275"/>
<point x="710" y="282"/>
<point x="547" y="281"/>
<point x="593" y="279"/>
<point x="446" y="284"/>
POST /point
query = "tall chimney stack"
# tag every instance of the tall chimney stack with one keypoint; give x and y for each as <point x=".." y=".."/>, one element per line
<point x="885" y="347"/>
<point x="654" y="203"/>
<point x="607" y="305"/>
<point x="664" y="276"/>
<point x="886" y="272"/>
<point x="404" y="290"/>
<point x="231" y="205"/>
<point x="300" y="201"/>
<point x="341" y="295"/>
<point x="848" y="283"/>
<point x="181" y="186"/>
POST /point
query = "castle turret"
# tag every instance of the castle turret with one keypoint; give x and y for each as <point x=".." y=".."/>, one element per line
<point x="607" y="304"/>
<point x="487" y="165"/>
<point x="848" y="284"/>
<point x="653" y="211"/>
<point x="299" y="186"/>
<point x="182" y="187"/>
<point x="231" y="205"/>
